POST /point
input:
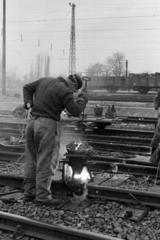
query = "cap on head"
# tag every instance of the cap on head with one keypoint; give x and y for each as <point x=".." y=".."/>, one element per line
<point x="76" y="78"/>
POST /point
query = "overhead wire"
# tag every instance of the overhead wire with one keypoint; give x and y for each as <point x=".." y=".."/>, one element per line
<point x="96" y="30"/>
<point x="98" y="8"/>
<point x="86" y="19"/>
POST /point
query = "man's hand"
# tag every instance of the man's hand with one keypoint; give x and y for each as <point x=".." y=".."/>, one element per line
<point x="84" y="91"/>
<point x="85" y="95"/>
<point x="68" y="114"/>
<point x="28" y="106"/>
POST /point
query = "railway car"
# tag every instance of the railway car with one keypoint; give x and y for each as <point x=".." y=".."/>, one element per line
<point x="137" y="82"/>
<point x="97" y="82"/>
<point x="144" y="82"/>
<point x="112" y="84"/>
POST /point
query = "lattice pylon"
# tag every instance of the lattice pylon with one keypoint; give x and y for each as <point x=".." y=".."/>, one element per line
<point x="72" y="50"/>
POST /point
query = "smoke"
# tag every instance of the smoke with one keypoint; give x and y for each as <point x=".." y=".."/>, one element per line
<point x="79" y="198"/>
<point x="65" y="140"/>
<point x="62" y="150"/>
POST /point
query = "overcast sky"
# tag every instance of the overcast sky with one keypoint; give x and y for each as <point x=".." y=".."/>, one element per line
<point x="102" y="28"/>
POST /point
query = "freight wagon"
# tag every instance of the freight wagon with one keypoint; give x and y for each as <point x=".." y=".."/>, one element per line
<point x="144" y="82"/>
<point x="137" y="82"/>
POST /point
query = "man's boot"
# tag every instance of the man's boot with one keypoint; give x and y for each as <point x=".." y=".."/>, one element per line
<point x="29" y="186"/>
<point x="51" y="202"/>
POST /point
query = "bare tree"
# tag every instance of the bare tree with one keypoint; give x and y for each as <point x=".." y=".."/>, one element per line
<point x="31" y="74"/>
<point x="12" y="78"/>
<point x="97" y="69"/>
<point x="38" y="66"/>
<point x="42" y="65"/>
<point x="47" y="66"/>
<point x="115" y="64"/>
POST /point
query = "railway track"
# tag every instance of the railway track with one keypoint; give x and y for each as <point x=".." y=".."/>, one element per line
<point x="104" y="143"/>
<point x="106" y="140"/>
<point x="16" y="124"/>
<point x="96" y="190"/>
<point x="69" y="123"/>
<point x="140" y="120"/>
<point x="102" y="162"/>
<point x="109" y="187"/>
<point x="110" y="138"/>
<point x="102" y="132"/>
<point x="41" y="230"/>
<point x="125" y="195"/>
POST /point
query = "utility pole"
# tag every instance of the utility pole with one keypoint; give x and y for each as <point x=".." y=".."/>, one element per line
<point x="127" y="73"/>
<point x="72" y="50"/>
<point x="4" y="50"/>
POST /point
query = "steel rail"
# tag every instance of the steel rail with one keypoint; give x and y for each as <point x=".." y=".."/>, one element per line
<point x="124" y="132"/>
<point x="141" y="160"/>
<point x="111" y="132"/>
<point x="110" y="193"/>
<point x="99" y="142"/>
<point x="99" y="146"/>
<point x="95" y="191"/>
<point x="108" y="134"/>
<point x="108" y="138"/>
<point x="10" y="156"/>
<point x="86" y="136"/>
<point x="141" y="120"/>
<point x="15" y="129"/>
<point x="110" y="158"/>
<point x="12" y="148"/>
<point x="11" y="180"/>
<point x="119" y="147"/>
<point x="46" y="231"/>
<point x="17" y="182"/>
<point x="108" y="163"/>
<point x="128" y="119"/>
<point x="123" y="168"/>
<point x="124" y="195"/>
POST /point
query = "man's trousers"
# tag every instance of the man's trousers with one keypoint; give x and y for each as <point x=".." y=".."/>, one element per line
<point x="42" y="152"/>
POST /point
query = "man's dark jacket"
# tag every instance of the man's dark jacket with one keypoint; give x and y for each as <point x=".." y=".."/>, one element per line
<point x="51" y="97"/>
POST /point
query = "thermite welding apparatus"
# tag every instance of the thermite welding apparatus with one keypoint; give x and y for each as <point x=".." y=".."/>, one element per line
<point x="75" y="163"/>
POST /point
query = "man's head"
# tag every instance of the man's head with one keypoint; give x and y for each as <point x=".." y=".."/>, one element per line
<point x="74" y="82"/>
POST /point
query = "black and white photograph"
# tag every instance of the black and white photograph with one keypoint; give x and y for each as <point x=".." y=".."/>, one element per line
<point x="80" y="120"/>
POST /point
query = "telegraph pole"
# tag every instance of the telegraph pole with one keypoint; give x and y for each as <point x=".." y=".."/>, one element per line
<point x="72" y="50"/>
<point x="4" y="50"/>
<point x="127" y="73"/>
